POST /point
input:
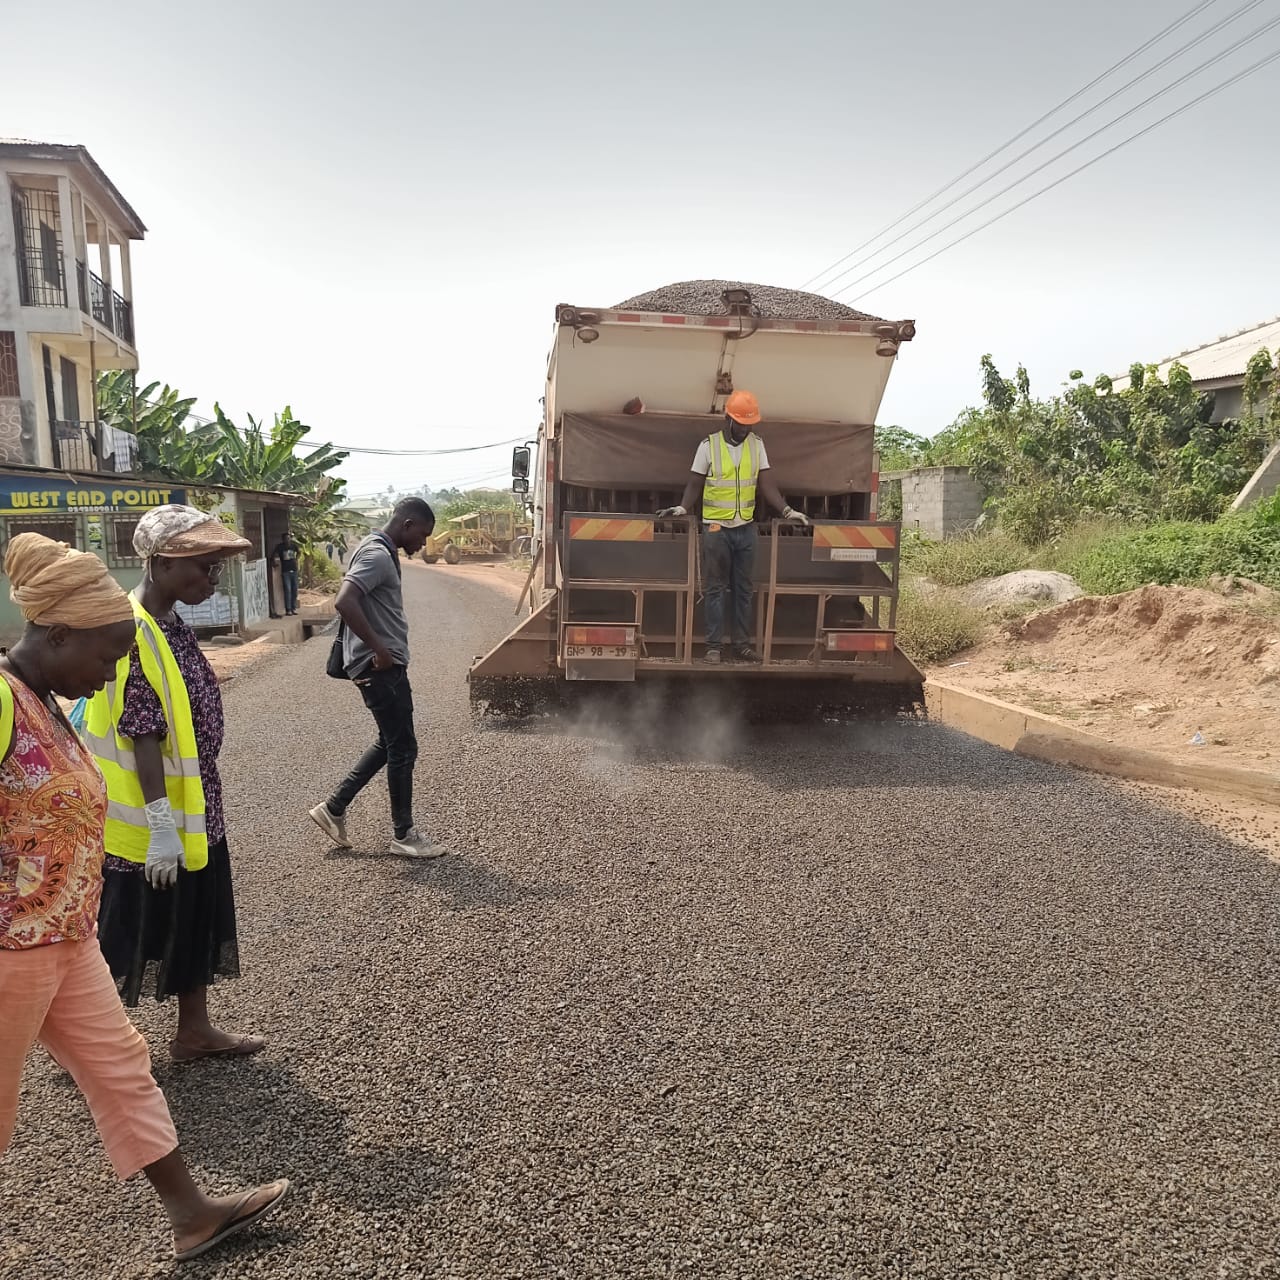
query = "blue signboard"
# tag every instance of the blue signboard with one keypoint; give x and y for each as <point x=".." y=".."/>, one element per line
<point x="37" y="495"/>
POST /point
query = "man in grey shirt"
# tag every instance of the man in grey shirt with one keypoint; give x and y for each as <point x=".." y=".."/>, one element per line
<point x="375" y="651"/>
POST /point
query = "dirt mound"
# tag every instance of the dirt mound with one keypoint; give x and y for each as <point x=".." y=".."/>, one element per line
<point x="1193" y="634"/>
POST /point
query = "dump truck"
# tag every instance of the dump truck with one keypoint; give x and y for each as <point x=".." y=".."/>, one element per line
<point x="613" y="597"/>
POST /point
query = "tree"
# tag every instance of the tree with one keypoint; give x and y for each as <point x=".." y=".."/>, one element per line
<point x="900" y="449"/>
<point x="221" y="453"/>
<point x="1149" y="451"/>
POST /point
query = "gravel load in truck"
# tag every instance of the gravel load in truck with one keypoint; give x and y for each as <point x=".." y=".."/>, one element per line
<point x="705" y="298"/>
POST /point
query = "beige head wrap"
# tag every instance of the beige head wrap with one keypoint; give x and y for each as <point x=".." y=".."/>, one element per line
<point x="51" y="583"/>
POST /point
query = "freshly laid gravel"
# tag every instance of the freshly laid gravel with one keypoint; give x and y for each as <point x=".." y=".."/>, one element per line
<point x="698" y="1000"/>
<point x="703" y="298"/>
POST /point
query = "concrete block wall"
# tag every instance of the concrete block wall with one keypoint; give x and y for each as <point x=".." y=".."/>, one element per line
<point x="940" y="501"/>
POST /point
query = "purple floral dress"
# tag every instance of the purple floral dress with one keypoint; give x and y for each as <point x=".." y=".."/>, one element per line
<point x="143" y="714"/>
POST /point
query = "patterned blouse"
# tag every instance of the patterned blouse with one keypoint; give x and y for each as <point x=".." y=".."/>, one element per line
<point x="143" y="714"/>
<point x="53" y="806"/>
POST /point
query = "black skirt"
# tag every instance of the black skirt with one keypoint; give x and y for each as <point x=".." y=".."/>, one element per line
<point x="168" y="942"/>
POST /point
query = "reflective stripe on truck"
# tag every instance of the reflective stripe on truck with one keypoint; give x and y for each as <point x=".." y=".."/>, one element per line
<point x="605" y="530"/>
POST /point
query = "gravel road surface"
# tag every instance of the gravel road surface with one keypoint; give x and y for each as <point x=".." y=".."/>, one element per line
<point x="694" y="1000"/>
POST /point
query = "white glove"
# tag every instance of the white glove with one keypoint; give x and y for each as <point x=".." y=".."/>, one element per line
<point x="790" y="513"/>
<point x="668" y="512"/>
<point x="164" y="849"/>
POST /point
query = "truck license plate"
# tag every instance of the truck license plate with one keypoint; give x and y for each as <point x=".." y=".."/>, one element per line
<point x="853" y="553"/>
<point x="625" y="651"/>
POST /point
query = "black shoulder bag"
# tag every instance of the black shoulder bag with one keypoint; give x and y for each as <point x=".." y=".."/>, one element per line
<point x="336" y="666"/>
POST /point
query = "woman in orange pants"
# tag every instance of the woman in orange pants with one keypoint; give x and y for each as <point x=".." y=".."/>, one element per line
<point x="55" y="987"/>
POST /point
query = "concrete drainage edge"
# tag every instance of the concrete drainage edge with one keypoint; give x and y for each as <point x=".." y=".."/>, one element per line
<point x="1028" y="733"/>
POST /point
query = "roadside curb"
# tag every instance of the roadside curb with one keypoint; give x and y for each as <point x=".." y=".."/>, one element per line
<point x="1028" y="733"/>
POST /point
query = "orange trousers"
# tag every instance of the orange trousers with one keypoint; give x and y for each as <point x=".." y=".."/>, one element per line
<point x="62" y="995"/>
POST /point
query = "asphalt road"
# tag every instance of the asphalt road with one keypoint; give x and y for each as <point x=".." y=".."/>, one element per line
<point x="699" y="999"/>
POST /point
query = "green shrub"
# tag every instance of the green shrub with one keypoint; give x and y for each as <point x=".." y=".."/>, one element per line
<point x="317" y="572"/>
<point x="957" y="562"/>
<point x="936" y="624"/>
<point x="1246" y="545"/>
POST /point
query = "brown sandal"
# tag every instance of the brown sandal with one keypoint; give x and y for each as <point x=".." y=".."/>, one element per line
<point x="244" y="1047"/>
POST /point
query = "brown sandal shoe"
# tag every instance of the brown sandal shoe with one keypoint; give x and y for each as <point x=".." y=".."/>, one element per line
<point x="244" y="1047"/>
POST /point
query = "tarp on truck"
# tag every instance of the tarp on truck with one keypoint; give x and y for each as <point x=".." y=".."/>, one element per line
<point x="655" y="451"/>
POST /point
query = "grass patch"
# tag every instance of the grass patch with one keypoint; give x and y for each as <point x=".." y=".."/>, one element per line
<point x="957" y="562"/>
<point x="935" y="625"/>
<point x="1108" y="561"/>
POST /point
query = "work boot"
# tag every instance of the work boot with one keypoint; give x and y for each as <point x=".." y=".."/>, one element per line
<point x="712" y="656"/>
<point x="413" y="844"/>
<point x="745" y="653"/>
<point x="334" y="825"/>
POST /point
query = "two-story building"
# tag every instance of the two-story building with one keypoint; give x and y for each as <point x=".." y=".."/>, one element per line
<point x="66" y="305"/>
<point x="66" y="314"/>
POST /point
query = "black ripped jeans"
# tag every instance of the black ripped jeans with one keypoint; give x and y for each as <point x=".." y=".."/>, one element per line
<point x="388" y="695"/>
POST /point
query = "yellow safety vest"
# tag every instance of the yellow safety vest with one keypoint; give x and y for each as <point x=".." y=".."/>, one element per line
<point x="6" y="716"/>
<point x="127" y="833"/>
<point x="730" y="489"/>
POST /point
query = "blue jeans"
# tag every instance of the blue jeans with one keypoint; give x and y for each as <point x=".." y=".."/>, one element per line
<point x="290" y="579"/>
<point x="728" y="558"/>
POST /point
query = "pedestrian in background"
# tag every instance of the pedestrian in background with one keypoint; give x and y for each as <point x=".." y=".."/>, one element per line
<point x="168" y="925"/>
<point x="376" y="658"/>
<point x="287" y="555"/>
<point x="55" y="987"/>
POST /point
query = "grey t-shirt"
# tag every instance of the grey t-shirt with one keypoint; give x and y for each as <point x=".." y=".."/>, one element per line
<point x="375" y="569"/>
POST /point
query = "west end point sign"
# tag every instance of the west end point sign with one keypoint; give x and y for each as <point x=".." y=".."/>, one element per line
<point x="40" y="495"/>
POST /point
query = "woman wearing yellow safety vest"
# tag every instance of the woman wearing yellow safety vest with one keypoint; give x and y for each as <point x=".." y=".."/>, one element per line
<point x="168" y="921"/>
<point x="729" y="470"/>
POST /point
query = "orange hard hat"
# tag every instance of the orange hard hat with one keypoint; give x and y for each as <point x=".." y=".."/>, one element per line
<point x="743" y="407"/>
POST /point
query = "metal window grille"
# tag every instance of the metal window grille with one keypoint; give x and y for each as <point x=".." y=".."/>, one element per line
<point x="8" y="364"/>
<point x="120" y="552"/>
<point x="39" y="234"/>
<point x="59" y="528"/>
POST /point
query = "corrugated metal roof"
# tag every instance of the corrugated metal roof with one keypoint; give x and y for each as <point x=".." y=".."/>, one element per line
<point x="1223" y="359"/>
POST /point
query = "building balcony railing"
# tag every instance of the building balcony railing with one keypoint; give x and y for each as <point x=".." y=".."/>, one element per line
<point x="106" y="306"/>
<point x="92" y="446"/>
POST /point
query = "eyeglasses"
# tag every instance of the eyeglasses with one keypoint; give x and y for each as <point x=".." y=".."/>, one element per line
<point x="214" y="570"/>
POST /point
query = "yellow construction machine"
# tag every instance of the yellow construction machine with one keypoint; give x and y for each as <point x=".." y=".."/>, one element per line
<point x="478" y="535"/>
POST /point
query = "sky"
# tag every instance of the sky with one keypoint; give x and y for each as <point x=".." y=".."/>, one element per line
<point x="370" y="211"/>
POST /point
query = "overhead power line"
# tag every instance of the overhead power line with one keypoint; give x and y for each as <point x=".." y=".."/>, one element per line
<point x="359" y="448"/>
<point x="1102" y="102"/>
<point x="413" y="453"/>
<point x="1017" y="182"/>
<point x="1017" y="137"/>
<point x="1057" y="182"/>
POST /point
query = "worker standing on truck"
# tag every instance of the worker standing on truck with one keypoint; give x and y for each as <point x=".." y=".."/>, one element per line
<point x="729" y="469"/>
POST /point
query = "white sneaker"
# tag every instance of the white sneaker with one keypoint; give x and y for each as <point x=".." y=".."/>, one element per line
<point x="415" y="845"/>
<point x="334" y="827"/>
